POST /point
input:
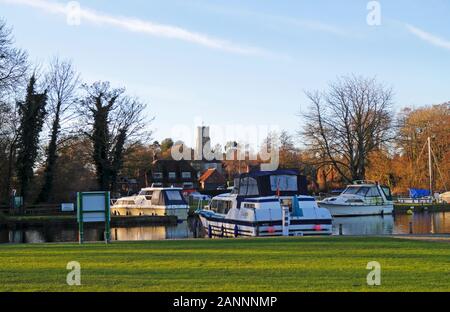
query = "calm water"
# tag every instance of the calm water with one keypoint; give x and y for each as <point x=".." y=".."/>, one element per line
<point x="423" y="223"/>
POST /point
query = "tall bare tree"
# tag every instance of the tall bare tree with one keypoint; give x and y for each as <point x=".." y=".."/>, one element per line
<point x="347" y="122"/>
<point x="13" y="78"/>
<point x="115" y="120"/>
<point x="61" y="81"/>
<point x="13" y="61"/>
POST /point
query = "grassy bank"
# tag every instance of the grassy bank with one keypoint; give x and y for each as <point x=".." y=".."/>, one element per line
<point x="276" y="264"/>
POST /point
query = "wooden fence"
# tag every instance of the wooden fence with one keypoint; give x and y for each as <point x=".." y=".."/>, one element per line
<point x="38" y="210"/>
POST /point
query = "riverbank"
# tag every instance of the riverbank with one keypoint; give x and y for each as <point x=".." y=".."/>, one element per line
<point x="421" y="207"/>
<point x="70" y="221"/>
<point x="273" y="264"/>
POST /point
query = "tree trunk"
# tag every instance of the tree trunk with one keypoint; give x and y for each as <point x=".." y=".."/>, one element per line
<point x="52" y="157"/>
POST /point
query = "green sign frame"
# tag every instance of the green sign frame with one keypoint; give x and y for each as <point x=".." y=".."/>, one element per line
<point x="91" y="213"/>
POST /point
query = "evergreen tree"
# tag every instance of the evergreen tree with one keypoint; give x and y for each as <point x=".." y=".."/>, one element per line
<point x="114" y="119"/>
<point x="62" y="82"/>
<point x="32" y="113"/>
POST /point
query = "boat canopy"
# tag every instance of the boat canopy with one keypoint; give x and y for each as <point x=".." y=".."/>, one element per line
<point x="270" y="183"/>
<point x="165" y="197"/>
<point x="418" y="193"/>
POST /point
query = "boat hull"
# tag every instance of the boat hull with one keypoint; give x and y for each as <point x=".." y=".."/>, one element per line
<point x="357" y="210"/>
<point x="221" y="227"/>
<point x="180" y="213"/>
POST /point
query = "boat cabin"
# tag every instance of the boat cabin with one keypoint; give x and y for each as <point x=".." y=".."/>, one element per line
<point x="163" y="196"/>
<point x="270" y="183"/>
<point x="367" y="190"/>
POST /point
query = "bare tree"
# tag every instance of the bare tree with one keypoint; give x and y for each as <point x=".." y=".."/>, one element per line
<point x="61" y="81"/>
<point x="114" y="121"/>
<point x="346" y="123"/>
<point x="13" y="78"/>
<point x="13" y="61"/>
<point x="9" y="125"/>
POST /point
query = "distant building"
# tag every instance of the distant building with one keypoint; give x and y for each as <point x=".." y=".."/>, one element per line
<point x="173" y="173"/>
<point x="211" y="180"/>
<point x="200" y="163"/>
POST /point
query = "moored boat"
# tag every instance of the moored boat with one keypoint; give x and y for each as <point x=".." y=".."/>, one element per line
<point x="153" y="201"/>
<point x="362" y="198"/>
<point x="266" y="203"/>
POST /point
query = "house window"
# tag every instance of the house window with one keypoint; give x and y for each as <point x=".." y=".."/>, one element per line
<point x="172" y="175"/>
<point x="186" y="175"/>
<point x="157" y="175"/>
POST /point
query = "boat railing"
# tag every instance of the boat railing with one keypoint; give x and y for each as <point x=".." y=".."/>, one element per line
<point x="409" y="200"/>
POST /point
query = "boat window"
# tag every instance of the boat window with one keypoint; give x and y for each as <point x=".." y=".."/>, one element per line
<point x="362" y="191"/>
<point x="156" y="198"/>
<point x="373" y="192"/>
<point x="354" y="200"/>
<point x="147" y="194"/>
<point x="174" y="195"/>
<point x="387" y="192"/>
<point x="213" y="205"/>
<point x="351" y="190"/>
<point x="283" y="183"/>
<point x="249" y="187"/>
<point x="220" y="206"/>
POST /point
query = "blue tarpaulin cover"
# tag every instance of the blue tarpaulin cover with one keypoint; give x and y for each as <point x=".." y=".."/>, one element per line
<point x="418" y="193"/>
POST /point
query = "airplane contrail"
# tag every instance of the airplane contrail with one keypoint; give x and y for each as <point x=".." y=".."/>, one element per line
<point x="140" y="26"/>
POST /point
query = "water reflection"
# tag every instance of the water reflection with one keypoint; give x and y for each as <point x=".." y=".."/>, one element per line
<point x="151" y="232"/>
<point x="372" y="225"/>
<point x="60" y="234"/>
<point x="423" y="223"/>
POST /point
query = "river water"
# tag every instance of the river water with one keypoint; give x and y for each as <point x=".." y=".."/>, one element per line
<point x="423" y="223"/>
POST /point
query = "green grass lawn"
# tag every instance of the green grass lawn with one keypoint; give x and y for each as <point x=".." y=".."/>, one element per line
<point x="275" y="264"/>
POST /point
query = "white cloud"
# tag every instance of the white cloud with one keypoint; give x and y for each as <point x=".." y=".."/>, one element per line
<point x="428" y="37"/>
<point x="312" y="25"/>
<point x="142" y="26"/>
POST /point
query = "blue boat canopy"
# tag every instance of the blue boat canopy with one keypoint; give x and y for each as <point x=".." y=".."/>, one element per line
<point x="270" y="183"/>
<point x="418" y="193"/>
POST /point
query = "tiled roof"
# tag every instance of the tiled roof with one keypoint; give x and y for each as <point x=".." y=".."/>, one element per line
<point x="208" y="173"/>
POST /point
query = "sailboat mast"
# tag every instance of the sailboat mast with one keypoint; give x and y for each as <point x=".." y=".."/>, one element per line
<point x="430" y="166"/>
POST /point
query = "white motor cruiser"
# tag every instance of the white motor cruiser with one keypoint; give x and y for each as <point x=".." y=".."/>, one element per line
<point x="153" y="201"/>
<point x="362" y="198"/>
<point x="266" y="203"/>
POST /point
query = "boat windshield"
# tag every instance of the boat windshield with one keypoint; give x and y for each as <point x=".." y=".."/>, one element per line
<point x="387" y="192"/>
<point x="353" y="190"/>
<point x="366" y="191"/>
<point x="147" y="194"/>
<point x="174" y="195"/>
<point x="220" y="206"/>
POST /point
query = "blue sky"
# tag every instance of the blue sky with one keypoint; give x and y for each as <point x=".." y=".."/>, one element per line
<point x="241" y="62"/>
